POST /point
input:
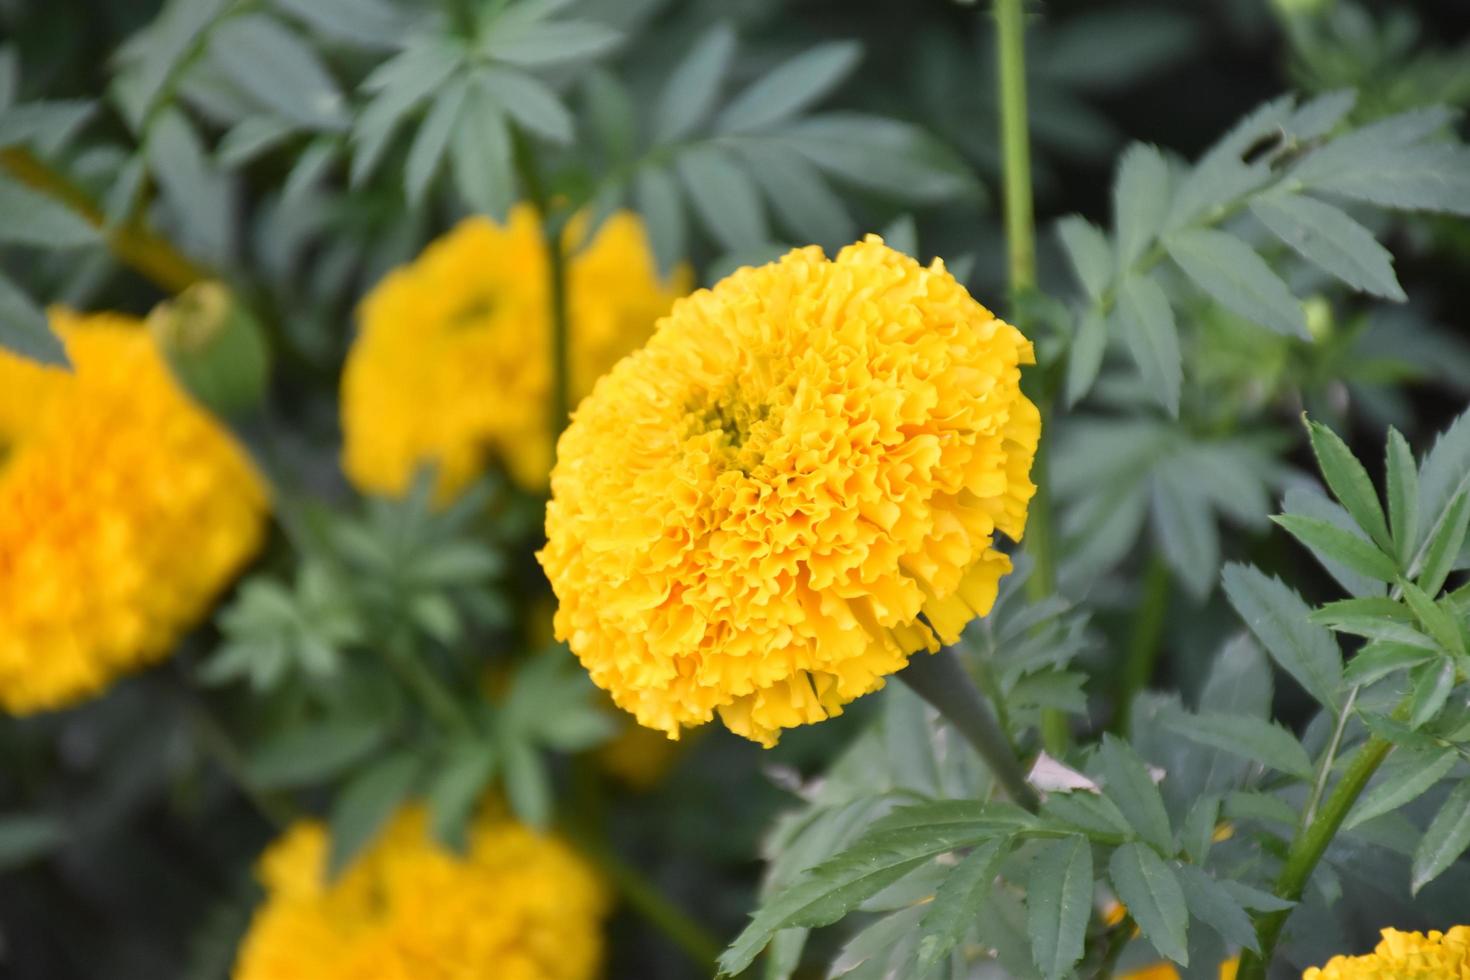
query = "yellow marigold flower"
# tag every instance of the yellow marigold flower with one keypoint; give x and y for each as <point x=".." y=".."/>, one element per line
<point x="516" y="906"/>
<point x="452" y="363"/>
<point x="124" y="510"/>
<point x="794" y="486"/>
<point x="1404" y="956"/>
<point x="1166" y="971"/>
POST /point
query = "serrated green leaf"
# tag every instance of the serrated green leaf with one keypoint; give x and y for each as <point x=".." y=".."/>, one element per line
<point x="689" y="96"/>
<point x="24" y="330"/>
<point x="1387" y="163"/>
<point x="1092" y="813"/>
<point x="1364" y="607"/>
<point x="278" y="70"/>
<point x="28" y="217"/>
<point x="402" y="83"/>
<point x="1149" y="888"/>
<point x="551" y="43"/>
<point x="1059" y="904"/>
<point x="886" y="155"/>
<point x="529" y="101"/>
<point x="800" y="199"/>
<point x="657" y="196"/>
<point x="365" y="804"/>
<point x="1278" y="618"/>
<point x="1437" y="620"/>
<point x="1092" y="257"/>
<point x="527" y="783"/>
<point x="1255" y="899"/>
<point x="790" y="87"/>
<point x="1444" y="544"/>
<point x="1386" y="631"/>
<point x="1153" y="339"/>
<point x="1185" y="524"/>
<point x="724" y="197"/>
<point x="888" y="940"/>
<point x="1446" y="839"/>
<point x="190" y="183"/>
<point x="432" y="139"/>
<point x="960" y="900"/>
<point x="1211" y="903"/>
<point x="1127" y="783"/>
<point x="1407" y="777"/>
<point x="1349" y="483"/>
<point x="1237" y="278"/>
<point x="1254" y="739"/>
<point x="1259" y="806"/>
<point x="1379" y="659"/>
<point x="26" y="837"/>
<point x="456" y="788"/>
<point x="1141" y="199"/>
<point x="1332" y="542"/>
<point x="481" y="153"/>
<point x="310" y="754"/>
<point x="1085" y="358"/>
<point x="1198" y="834"/>
<point x="1328" y="238"/>
<point x="1432" y="685"/>
<point x="1403" y="495"/>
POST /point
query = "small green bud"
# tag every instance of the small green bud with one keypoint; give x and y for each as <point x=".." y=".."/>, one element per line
<point x="215" y="348"/>
<point x="1319" y="317"/>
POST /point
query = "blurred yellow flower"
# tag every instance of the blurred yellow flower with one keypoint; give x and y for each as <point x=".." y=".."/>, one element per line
<point x="516" y="906"/>
<point x="1404" y="956"/>
<point x="1166" y="971"/>
<point x="124" y="510"/>
<point x="452" y="364"/>
<point x="794" y="486"/>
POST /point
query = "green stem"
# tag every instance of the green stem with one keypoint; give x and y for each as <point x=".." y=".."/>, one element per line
<point x="441" y="705"/>
<point x="556" y="270"/>
<point x="942" y="682"/>
<point x="1144" y="644"/>
<point x="1015" y="145"/>
<point x="1319" y="785"/>
<point x="647" y="901"/>
<point x="1307" y="849"/>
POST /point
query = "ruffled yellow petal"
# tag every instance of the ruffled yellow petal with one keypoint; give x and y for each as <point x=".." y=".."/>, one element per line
<point x="793" y="487"/>
<point x="1405" y="956"/>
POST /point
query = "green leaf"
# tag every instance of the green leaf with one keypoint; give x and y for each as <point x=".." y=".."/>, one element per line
<point x="1141" y="200"/>
<point x="365" y="804"/>
<point x="28" y="217"/>
<point x="1255" y="899"/>
<point x="191" y="185"/>
<point x="1251" y="738"/>
<point x="402" y="82"/>
<point x="312" y="753"/>
<point x="431" y="140"/>
<point x="1149" y="888"/>
<point x="1446" y="839"/>
<point x="278" y="70"/>
<point x="1363" y="607"/>
<point x="1153" y="339"/>
<point x="551" y="43"/>
<point x="1211" y="903"/>
<point x="1332" y="542"/>
<point x="1444" y="544"/>
<point x="456" y="788"/>
<point x="1085" y="358"/>
<point x="367" y="23"/>
<point x="1092" y="813"/>
<point x="529" y="101"/>
<point x="1059" y="904"/>
<point x="1378" y="659"/>
<point x="1349" y="483"/>
<point x="1385" y="164"/>
<point x="1259" y="806"/>
<point x="1311" y="504"/>
<point x="1278" y="618"/>
<point x="723" y="196"/>
<point x="1185" y="524"/>
<point x="480" y="151"/>
<point x="24" y="330"/>
<point x="1198" y="833"/>
<point x="1437" y="620"/>
<point x="26" y="837"/>
<point x="1237" y="278"/>
<point x="659" y="201"/>
<point x="1432" y="685"/>
<point x="1403" y="496"/>
<point x="52" y="121"/>
<point x="1408" y="776"/>
<point x="790" y="87"/>
<point x="689" y="96"/>
<point x="1328" y="238"/>
<point x="960" y="900"/>
<point x="800" y="199"/>
<point x="888" y="156"/>
<point x="1127" y="782"/>
<point x="527" y="783"/>
<point x="1092" y="257"/>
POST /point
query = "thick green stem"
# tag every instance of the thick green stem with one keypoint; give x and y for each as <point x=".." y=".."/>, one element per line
<point x="1307" y="850"/>
<point x="556" y="270"/>
<point x="1144" y="644"/>
<point x="940" y="680"/>
<point x="1015" y="145"/>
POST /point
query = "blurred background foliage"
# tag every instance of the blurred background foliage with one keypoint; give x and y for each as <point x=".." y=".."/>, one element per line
<point x="299" y="149"/>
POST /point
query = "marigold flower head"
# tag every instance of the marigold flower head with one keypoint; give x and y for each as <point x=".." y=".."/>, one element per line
<point x="1167" y="971"/>
<point x="515" y="906"/>
<point x="124" y="510"/>
<point x="794" y="486"/>
<point x="452" y="364"/>
<point x="1405" y="956"/>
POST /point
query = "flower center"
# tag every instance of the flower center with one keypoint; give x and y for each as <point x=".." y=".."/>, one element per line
<point x="473" y="311"/>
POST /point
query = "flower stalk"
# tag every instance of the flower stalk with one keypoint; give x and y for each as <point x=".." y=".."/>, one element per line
<point x="942" y="682"/>
<point x="552" y="228"/>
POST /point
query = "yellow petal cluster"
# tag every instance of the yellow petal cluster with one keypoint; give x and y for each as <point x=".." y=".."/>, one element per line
<point x="796" y="484"/>
<point x="124" y="510"/>
<point x="452" y="363"/>
<point x="515" y="906"/>
<point x="1405" y="956"/>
